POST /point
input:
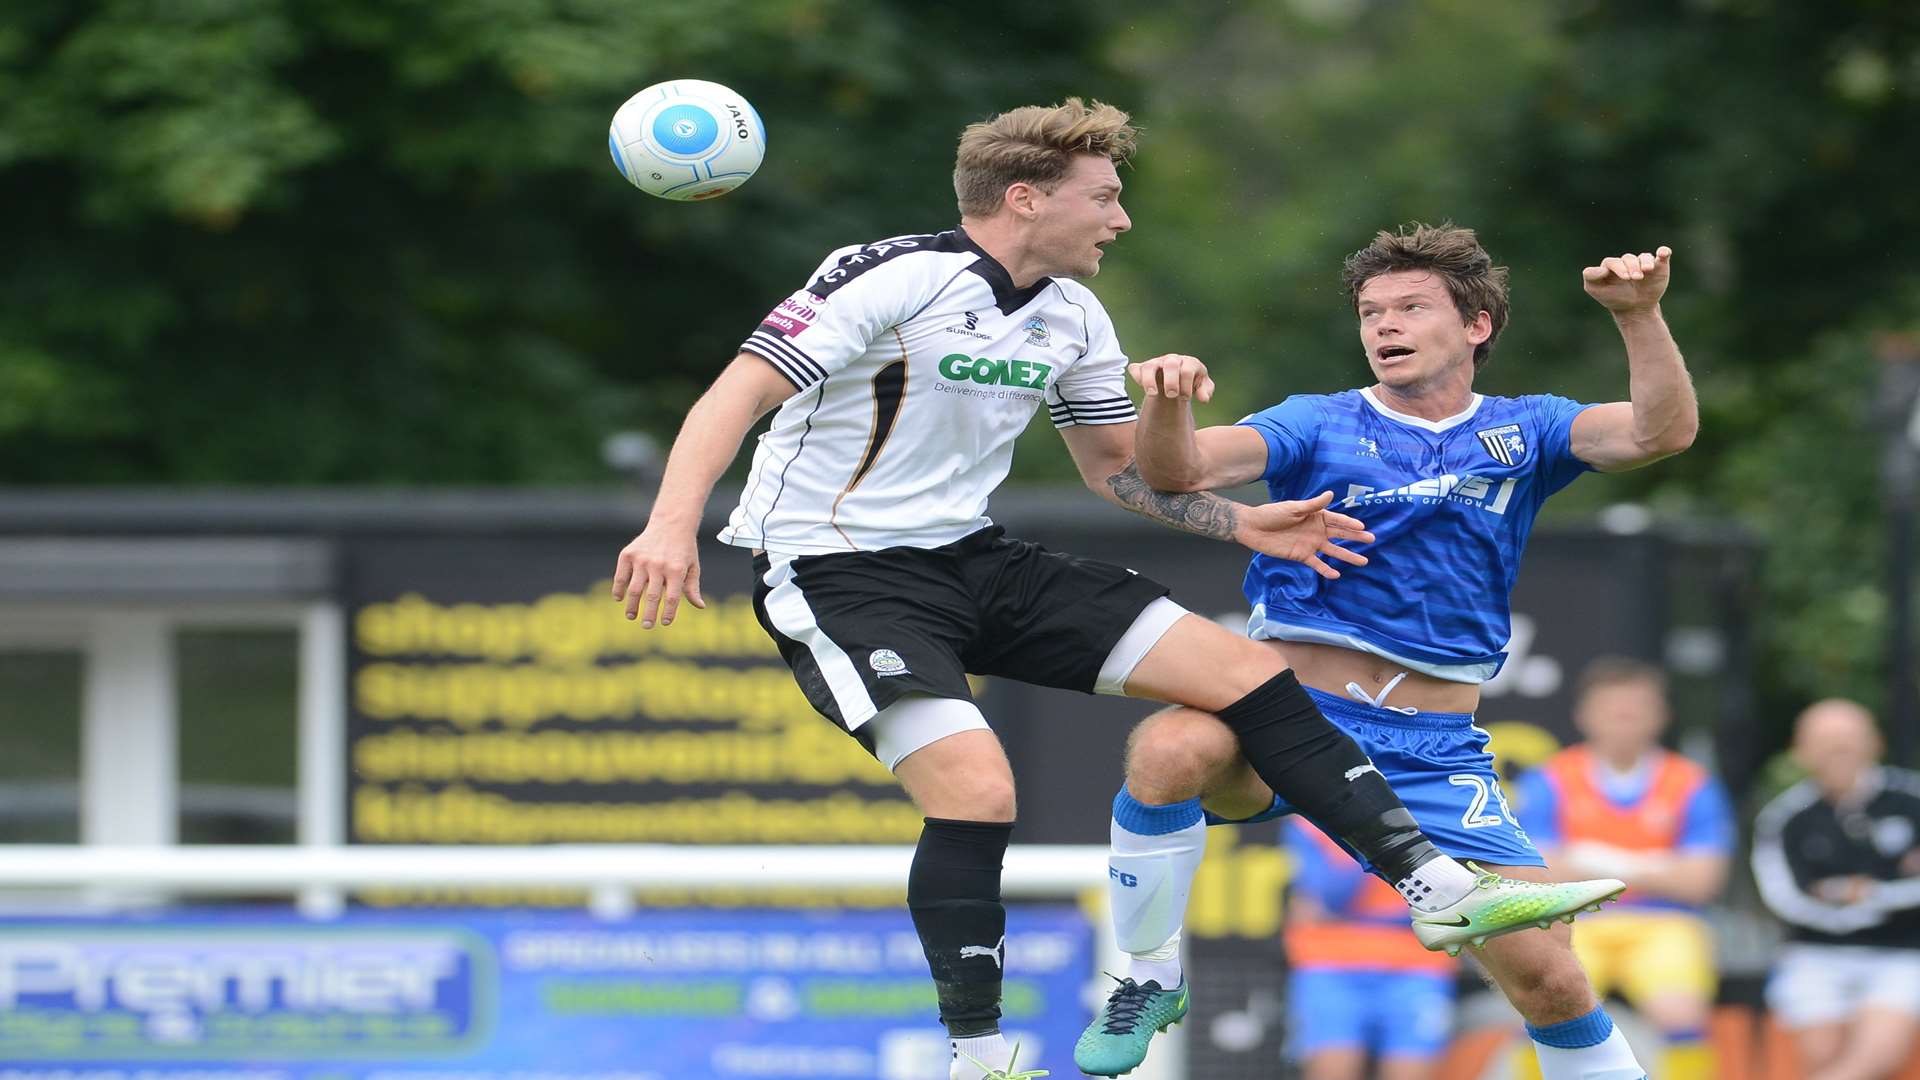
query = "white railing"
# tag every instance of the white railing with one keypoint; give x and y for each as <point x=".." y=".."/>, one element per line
<point x="1031" y="870"/>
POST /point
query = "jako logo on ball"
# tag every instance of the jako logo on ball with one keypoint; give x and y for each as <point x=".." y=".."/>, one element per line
<point x="686" y="139"/>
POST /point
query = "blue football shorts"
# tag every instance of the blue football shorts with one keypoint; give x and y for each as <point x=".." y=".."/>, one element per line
<point x="1439" y="766"/>
<point x="1386" y="1013"/>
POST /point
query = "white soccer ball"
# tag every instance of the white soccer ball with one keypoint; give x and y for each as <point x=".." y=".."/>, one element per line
<point x="687" y="139"/>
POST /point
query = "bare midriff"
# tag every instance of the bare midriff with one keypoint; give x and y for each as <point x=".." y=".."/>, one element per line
<point x="1331" y="668"/>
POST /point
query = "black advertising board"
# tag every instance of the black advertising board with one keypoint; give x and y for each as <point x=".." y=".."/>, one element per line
<point x="497" y="696"/>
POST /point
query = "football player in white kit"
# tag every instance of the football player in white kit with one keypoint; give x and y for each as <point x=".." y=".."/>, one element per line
<point x="903" y="372"/>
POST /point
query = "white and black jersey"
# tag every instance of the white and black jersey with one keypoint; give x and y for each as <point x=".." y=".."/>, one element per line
<point x="1802" y="840"/>
<point x="915" y="363"/>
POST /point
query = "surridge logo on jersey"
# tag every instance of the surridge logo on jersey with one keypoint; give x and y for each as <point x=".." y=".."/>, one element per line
<point x="972" y="329"/>
<point x="1505" y="443"/>
<point x="1037" y="333"/>
<point x="1029" y="374"/>
<point x="887" y="663"/>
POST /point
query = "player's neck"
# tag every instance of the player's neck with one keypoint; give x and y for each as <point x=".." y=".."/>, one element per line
<point x="1001" y="238"/>
<point x="1426" y="401"/>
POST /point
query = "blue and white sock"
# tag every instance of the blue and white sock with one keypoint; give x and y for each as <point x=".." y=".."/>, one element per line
<point x="1584" y="1048"/>
<point x="1156" y="853"/>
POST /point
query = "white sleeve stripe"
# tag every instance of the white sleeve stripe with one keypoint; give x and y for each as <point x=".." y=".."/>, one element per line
<point x="800" y="361"/>
<point x="1898" y="895"/>
<point x="781" y="364"/>
<point x="791" y="351"/>
<point x="1774" y="876"/>
<point x="1105" y="410"/>
<point x="1096" y="401"/>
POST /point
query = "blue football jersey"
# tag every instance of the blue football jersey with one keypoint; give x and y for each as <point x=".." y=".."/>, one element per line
<point x="1450" y="504"/>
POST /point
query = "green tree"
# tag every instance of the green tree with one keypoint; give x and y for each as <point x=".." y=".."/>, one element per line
<point x="376" y="241"/>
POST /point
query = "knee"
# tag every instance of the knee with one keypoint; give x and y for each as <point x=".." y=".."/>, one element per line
<point x="987" y="797"/>
<point x="964" y="777"/>
<point x="1174" y="754"/>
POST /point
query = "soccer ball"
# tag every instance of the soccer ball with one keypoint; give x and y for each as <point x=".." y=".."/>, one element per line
<point x="687" y="139"/>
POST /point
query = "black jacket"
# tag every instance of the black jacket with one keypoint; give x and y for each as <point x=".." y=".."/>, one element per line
<point x="1801" y="839"/>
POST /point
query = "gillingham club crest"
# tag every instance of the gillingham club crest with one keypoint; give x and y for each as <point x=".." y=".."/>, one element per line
<point x="1505" y="443"/>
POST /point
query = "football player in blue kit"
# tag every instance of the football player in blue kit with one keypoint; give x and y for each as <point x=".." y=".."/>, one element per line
<point x="1449" y="482"/>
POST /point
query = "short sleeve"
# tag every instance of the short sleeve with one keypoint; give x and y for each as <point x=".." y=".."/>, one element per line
<point x="1553" y="417"/>
<point x="1538" y="805"/>
<point x="1094" y="389"/>
<point x="1708" y="825"/>
<point x="1288" y="429"/>
<point x="811" y="335"/>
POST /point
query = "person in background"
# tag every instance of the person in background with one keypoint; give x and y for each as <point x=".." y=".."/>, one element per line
<point x="1618" y="803"/>
<point x="1361" y="986"/>
<point x="1835" y="859"/>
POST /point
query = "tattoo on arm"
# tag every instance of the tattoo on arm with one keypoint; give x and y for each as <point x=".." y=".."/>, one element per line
<point x="1199" y="512"/>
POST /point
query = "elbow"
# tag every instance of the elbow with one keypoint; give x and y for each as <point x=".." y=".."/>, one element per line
<point x="1160" y="478"/>
<point x="1672" y="441"/>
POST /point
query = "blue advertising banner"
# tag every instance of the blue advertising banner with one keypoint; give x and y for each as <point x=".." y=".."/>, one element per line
<point x="487" y="995"/>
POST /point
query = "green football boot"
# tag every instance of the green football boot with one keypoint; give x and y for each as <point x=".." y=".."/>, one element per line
<point x="1499" y="905"/>
<point x="1116" y="1042"/>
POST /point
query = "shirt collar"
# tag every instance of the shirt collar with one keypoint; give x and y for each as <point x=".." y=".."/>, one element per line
<point x="1450" y="422"/>
<point x="1005" y="297"/>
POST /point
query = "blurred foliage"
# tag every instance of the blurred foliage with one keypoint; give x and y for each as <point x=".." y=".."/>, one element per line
<point x="378" y="241"/>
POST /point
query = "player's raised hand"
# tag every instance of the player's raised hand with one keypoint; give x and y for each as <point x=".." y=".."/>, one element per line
<point x="654" y="569"/>
<point x="1625" y="284"/>
<point x="1173" y="376"/>
<point x="1302" y="531"/>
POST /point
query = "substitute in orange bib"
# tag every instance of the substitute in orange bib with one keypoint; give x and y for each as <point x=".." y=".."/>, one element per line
<point x="1360" y="985"/>
<point x="1622" y="805"/>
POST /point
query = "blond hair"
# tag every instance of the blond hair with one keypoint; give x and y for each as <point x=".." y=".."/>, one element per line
<point x="1453" y="253"/>
<point x="1034" y="144"/>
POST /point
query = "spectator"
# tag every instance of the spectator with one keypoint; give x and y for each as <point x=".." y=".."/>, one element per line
<point x="1362" y="987"/>
<point x="1619" y="805"/>
<point x="1835" y="858"/>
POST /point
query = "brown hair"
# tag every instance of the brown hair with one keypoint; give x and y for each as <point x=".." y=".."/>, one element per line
<point x="1608" y="671"/>
<point x="1455" y="254"/>
<point x="1034" y="145"/>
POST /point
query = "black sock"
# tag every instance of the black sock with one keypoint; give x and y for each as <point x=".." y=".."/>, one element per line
<point x="1320" y="770"/>
<point x="953" y="892"/>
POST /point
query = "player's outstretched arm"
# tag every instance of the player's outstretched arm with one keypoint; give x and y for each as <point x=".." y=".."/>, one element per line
<point x="1663" y="415"/>
<point x="1300" y="531"/>
<point x="1173" y="456"/>
<point x="663" y="562"/>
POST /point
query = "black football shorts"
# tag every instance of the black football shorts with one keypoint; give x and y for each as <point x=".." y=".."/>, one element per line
<point x="862" y="629"/>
